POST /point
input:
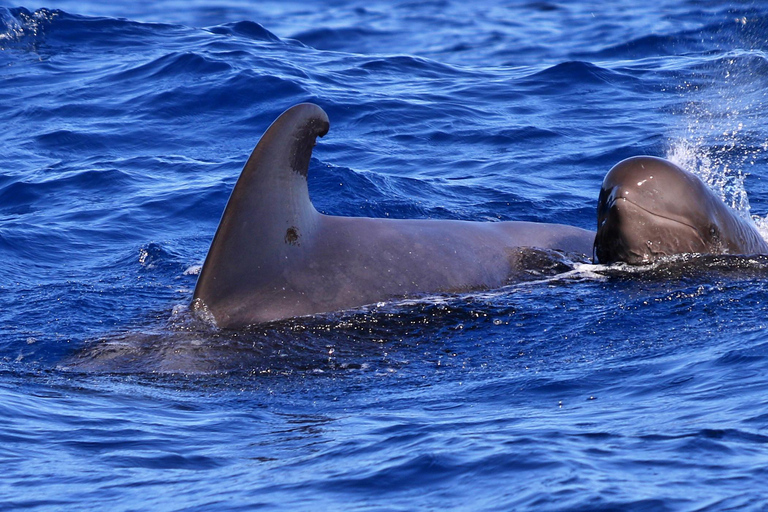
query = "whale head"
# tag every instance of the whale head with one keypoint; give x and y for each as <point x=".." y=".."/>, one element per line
<point x="650" y="208"/>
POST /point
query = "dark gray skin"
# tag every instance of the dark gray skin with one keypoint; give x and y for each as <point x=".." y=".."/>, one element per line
<point x="649" y="208"/>
<point x="274" y="256"/>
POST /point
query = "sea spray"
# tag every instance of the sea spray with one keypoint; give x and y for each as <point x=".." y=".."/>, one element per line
<point x="719" y="138"/>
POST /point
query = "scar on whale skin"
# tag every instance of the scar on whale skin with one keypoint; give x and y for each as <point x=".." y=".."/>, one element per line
<point x="274" y="256"/>
<point x="292" y="236"/>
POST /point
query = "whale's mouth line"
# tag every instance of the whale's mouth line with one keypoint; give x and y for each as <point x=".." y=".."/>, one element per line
<point x="655" y="214"/>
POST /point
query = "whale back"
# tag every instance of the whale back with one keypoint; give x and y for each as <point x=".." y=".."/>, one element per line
<point x="267" y="215"/>
<point x="275" y="257"/>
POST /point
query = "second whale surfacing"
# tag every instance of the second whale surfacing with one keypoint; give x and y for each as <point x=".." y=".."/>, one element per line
<point x="274" y="256"/>
<point x="649" y="208"/>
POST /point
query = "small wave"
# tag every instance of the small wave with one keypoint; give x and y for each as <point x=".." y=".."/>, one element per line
<point x="155" y="256"/>
<point x="575" y="74"/>
<point x="103" y="32"/>
<point x="246" y="29"/>
<point x="739" y="30"/>
<point x="346" y="39"/>
<point x="20" y="28"/>
<point x="76" y="141"/>
<point x="503" y="137"/>
<point x="173" y="65"/>
<point x="646" y="46"/>
<point x="235" y="96"/>
<point x="38" y="192"/>
<point x="405" y="63"/>
<point x="11" y="28"/>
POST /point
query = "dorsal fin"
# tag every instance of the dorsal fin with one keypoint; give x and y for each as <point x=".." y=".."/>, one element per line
<point x="268" y="212"/>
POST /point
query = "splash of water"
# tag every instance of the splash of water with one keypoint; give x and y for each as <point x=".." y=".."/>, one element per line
<point x="713" y="167"/>
<point x="722" y="137"/>
<point x="24" y="25"/>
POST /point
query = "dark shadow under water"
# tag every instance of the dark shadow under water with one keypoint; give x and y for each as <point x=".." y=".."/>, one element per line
<point x="382" y="336"/>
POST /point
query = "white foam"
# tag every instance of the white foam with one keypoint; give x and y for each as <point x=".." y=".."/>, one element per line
<point x="200" y="312"/>
<point x="193" y="270"/>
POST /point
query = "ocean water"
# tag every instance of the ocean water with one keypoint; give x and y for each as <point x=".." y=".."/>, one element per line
<point x="124" y="128"/>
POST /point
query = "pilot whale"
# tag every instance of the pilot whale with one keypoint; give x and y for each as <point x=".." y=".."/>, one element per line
<point x="649" y="208"/>
<point x="274" y="256"/>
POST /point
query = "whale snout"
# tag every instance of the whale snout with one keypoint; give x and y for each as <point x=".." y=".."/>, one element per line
<point x="648" y="209"/>
<point x="621" y="231"/>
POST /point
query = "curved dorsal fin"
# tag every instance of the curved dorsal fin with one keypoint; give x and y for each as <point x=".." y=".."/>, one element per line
<point x="268" y="212"/>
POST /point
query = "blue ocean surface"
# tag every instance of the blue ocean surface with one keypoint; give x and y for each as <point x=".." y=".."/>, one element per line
<point x="124" y="128"/>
